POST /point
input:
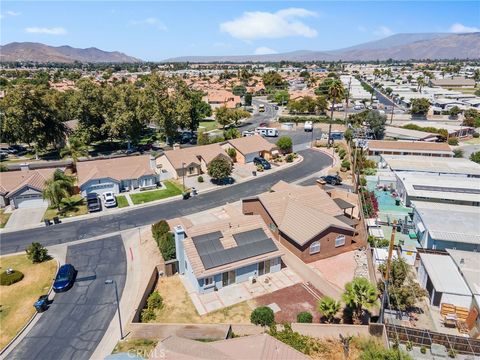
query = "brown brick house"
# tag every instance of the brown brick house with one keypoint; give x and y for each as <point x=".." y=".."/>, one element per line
<point x="307" y="220"/>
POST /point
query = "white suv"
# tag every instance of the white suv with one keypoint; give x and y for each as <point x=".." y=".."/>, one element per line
<point x="308" y="126"/>
<point x="109" y="199"/>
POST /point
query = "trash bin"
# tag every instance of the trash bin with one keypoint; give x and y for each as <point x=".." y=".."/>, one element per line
<point x="41" y="304"/>
<point x="186" y="195"/>
<point x="194" y="192"/>
<point x="254" y="173"/>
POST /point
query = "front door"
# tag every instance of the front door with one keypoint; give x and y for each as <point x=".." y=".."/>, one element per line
<point x="261" y="268"/>
<point x="228" y="278"/>
<point x="267" y="266"/>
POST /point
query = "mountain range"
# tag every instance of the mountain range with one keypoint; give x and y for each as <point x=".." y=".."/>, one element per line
<point x="29" y="51"/>
<point x="434" y="46"/>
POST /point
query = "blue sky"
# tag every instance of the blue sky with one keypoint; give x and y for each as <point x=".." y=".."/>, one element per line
<point x="156" y="30"/>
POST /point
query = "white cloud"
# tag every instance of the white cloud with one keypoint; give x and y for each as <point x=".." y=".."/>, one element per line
<point x="151" y="21"/>
<point x="12" y="13"/>
<point x="265" y="25"/>
<point x="460" y="28"/>
<point x="47" y="31"/>
<point x="383" y="31"/>
<point x="263" y="50"/>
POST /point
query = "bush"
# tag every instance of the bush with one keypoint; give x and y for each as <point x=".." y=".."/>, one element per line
<point x="304" y="317"/>
<point x="423" y="350"/>
<point x="200" y="179"/>
<point x="159" y="229"/>
<point x="155" y="300"/>
<point x="476" y="135"/>
<point x="453" y="141"/>
<point x="37" y="253"/>
<point x="409" y="345"/>
<point x="166" y="244"/>
<point x="377" y="242"/>
<point x="369" y="171"/>
<point x="147" y="315"/>
<point x="342" y="153"/>
<point x="9" y="279"/>
<point x="452" y="353"/>
<point x="219" y="168"/>
<point x="284" y="143"/>
<point x="263" y="316"/>
<point x="260" y="168"/>
<point x="289" y="158"/>
<point x="458" y="153"/>
<point x="346" y="164"/>
<point x="232" y="153"/>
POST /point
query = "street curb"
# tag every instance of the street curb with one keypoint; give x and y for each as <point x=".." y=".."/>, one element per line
<point x="20" y="333"/>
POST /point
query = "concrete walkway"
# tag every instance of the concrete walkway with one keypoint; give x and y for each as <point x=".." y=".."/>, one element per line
<point x="129" y="199"/>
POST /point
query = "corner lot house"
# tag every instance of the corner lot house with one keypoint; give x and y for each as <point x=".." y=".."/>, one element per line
<point x="22" y="189"/>
<point x="117" y="174"/>
<point x="191" y="161"/>
<point x="306" y="220"/>
<point x="223" y="253"/>
<point x="424" y="148"/>
<point x="249" y="147"/>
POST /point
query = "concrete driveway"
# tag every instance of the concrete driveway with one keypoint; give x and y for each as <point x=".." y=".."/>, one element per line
<point x="76" y="321"/>
<point x="25" y="217"/>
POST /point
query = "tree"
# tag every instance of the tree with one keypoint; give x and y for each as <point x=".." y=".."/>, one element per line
<point x="321" y="104"/>
<point x="328" y="307"/>
<point x="420" y="106"/>
<point x="471" y="118"/>
<point x="336" y="93"/>
<point x="348" y="135"/>
<point x="475" y="157"/>
<point x="281" y="97"/>
<point x="239" y="90"/>
<point x="454" y="111"/>
<point x="75" y="149"/>
<point x="59" y="187"/>
<point x="263" y="316"/>
<point x="199" y="109"/>
<point x="219" y="168"/>
<point x="248" y="99"/>
<point x="166" y="244"/>
<point x="359" y="294"/>
<point x="458" y="153"/>
<point x="232" y="133"/>
<point x="284" y="143"/>
<point x="272" y="79"/>
<point x="376" y="123"/>
<point x="223" y="117"/>
<point x="37" y="253"/>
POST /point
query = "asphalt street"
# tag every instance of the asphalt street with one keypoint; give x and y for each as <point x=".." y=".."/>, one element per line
<point x="17" y="241"/>
<point x="76" y="321"/>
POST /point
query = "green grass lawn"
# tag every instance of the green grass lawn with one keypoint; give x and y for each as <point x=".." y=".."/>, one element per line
<point x="122" y="201"/>
<point x="73" y="206"/>
<point x="3" y="218"/>
<point x="209" y="125"/>
<point x="17" y="299"/>
<point x="172" y="189"/>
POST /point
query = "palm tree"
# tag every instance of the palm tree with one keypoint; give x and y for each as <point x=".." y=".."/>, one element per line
<point x="59" y="187"/>
<point x="328" y="307"/>
<point x="359" y="294"/>
<point x="74" y="149"/>
<point x="421" y="83"/>
<point x="336" y="92"/>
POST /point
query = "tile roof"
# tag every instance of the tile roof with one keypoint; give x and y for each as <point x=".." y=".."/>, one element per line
<point x="250" y="144"/>
<point x="121" y="168"/>
<point x="11" y="181"/>
<point x="409" y="146"/>
<point x="192" y="155"/>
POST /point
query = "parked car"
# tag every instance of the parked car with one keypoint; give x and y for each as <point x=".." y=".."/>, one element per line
<point x="109" y="199"/>
<point x="65" y="278"/>
<point x="332" y="179"/>
<point x="261" y="161"/>
<point x="308" y="126"/>
<point x="93" y="202"/>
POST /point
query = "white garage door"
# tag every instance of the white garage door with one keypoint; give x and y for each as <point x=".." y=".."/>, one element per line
<point x="29" y="201"/>
<point x="101" y="188"/>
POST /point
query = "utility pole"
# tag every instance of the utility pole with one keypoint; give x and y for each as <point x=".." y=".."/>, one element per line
<point x="348" y="96"/>
<point x="387" y="274"/>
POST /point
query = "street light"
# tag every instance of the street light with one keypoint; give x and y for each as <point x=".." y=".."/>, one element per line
<point x="108" y="282"/>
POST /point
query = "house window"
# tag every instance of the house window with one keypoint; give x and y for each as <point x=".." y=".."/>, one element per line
<point x="208" y="281"/>
<point x="340" y="240"/>
<point x="191" y="170"/>
<point x="315" y="247"/>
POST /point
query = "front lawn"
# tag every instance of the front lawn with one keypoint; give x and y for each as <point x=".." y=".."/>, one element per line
<point x="4" y="218"/>
<point x="17" y="299"/>
<point x="209" y="125"/>
<point x="121" y="201"/>
<point x="171" y="189"/>
<point x="73" y="206"/>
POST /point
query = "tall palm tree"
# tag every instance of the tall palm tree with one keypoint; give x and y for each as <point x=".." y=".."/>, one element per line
<point x="74" y="149"/>
<point x="359" y="294"/>
<point x="336" y="92"/>
<point x="328" y="307"/>
<point x="421" y="83"/>
<point x="59" y="187"/>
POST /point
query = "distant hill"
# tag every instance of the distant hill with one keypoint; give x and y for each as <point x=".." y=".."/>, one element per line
<point x="433" y="46"/>
<point x="28" y="51"/>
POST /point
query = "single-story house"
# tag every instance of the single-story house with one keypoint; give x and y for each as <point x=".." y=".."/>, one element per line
<point x="222" y="253"/>
<point x="219" y="98"/>
<point x="447" y="226"/>
<point x="249" y="147"/>
<point x="453" y="82"/>
<point x="411" y="186"/>
<point x="117" y="174"/>
<point x="399" y="133"/>
<point x="424" y="148"/>
<point x="191" y="161"/>
<point x="22" y="189"/>
<point x="307" y="221"/>
<point x="439" y="275"/>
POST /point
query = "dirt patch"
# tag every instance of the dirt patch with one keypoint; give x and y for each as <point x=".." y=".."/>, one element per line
<point x="291" y="300"/>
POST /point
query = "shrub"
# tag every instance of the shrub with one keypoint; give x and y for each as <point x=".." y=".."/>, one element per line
<point x="453" y="141"/>
<point x="369" y="171"/>
<point x="166" y="244"/>
<point x="342" y="153"/>
<point x="458" y="153"/>
<point x="200" y="179"/>
<point x="147" y="314"/>
<point x="304" y="317"/>
<point x="155" y="300"/>
<point x="423" y="350"/>
<point x="260" y="168"/>
<point x="219" y="168"/>
<point x="289" y="158"/>
<point x="476" y="135"/>
<point x="9" y="279"/>
<point x="452" y="353"/>
<point x="284" y="143"/>
<point x="346" y="164"/>
<point x="409" y="345"/>
<point x="232" y="152"/>
<point x="159" y="229"/>
<point x="37" y="253"/>
<point x="263" y="316"/>
<point x="363" y="181"/>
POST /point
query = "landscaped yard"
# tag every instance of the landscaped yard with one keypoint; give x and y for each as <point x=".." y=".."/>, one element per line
<point x="122" y="201"/>
<point x="73" y="206"/>
<point x="16" y="300"/>
<point x="209" y="125"/>
<point x="4" y="218"/>
<point x="171" y="189"/>
<point x="178" y="308"/>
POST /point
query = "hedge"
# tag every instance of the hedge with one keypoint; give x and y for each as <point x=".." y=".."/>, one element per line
<point x="315" y="119"/>
<point x="9" y="279"/>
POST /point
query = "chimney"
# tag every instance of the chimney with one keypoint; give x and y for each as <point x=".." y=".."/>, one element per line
<point x="24" y="167"/>
<point x="179" y="233"/>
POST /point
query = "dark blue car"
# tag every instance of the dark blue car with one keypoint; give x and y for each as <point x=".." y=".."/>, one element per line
<point x="65" y="278"/>
<point x="261" y="161"/>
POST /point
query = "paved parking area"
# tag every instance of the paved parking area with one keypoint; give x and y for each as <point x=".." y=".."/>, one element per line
<point x="77" y="320"/>
<point x="25" y="217"/>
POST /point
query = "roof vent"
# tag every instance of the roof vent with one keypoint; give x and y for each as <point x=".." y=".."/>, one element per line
<point x="462" y="261"/>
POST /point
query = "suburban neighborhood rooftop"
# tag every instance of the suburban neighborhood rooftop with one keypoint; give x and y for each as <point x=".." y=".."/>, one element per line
<point x="432" y="164"/>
